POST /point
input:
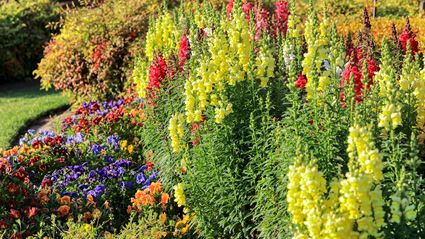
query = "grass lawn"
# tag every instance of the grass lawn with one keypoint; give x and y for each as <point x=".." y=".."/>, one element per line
<point x="22" y="104"/>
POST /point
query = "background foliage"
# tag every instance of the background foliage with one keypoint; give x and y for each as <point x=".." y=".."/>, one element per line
<point x="23" y="34"/>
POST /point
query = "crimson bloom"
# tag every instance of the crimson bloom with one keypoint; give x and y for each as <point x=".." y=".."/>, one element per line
<point x="301" y="82"/>
<point x="281" y="13"/>
<point x="31" y="212"/>
<point x="15" y="214"/>
<point x="184" y="49"/>
<point x="408" y="37"/>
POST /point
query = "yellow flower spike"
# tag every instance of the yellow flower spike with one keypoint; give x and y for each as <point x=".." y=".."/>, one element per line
<point x="179" y="196"/>
<point x="176" y="131"/>
<point x="265" y="64"/>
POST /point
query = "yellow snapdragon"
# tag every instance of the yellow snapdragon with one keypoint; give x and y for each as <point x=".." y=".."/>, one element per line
<point x="141" y="77"/>
<point x="179" y="196"/>
<point x="318" y="42"/>
<point x="176" y="130"/>
<point x="227" y="64"/>
<point x="162" y="36"/>
<point x="305" y="189"/>
<point x="420" y="105"/>
<point x="390" y="117"/>
<point x="265" y="64"/>
<point x="361" y="197"/>
<point x="362" y="148"/>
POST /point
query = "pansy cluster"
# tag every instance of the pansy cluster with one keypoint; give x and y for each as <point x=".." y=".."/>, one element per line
<point x="92" y="168"/>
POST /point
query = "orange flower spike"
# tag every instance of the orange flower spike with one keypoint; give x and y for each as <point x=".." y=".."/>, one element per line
<point x="165" y="198"/>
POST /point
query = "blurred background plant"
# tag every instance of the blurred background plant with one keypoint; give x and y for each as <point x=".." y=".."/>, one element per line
<point x="23" y="34"/>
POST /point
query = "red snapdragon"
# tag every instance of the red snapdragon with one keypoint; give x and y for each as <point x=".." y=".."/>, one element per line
<point x="407" y="36"/>
<point x="261" y="23"/>
<point x="230" y="6"/>
<point x="157" y="73"/>
<point x="184" y="52"/>
<point x="280" y="23"/>
<point x="354" y="70"/>
<point x="301" y="81"/>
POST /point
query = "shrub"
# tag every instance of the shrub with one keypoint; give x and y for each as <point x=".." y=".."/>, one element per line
<point x="92" y="54"/>
<point x="23" y="33"/>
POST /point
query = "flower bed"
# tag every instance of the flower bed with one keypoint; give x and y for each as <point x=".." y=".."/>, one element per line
<point x="248" y="127"/>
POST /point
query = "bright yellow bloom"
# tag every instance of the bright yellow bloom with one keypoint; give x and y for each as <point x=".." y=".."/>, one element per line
<point x="162" y="36"/>
<point x="176" y="130"/>
<point x="265" y="64"/>
<point x="390" y="117"/>
<point x="361" y="145"/>
<point x="87" y="227"/>
<point x="179" y="196"/>
<point x="318" y="41"/>
<point x="305" y="190"/>
<point x="130" y="149"/>
<point x="123" y="144"/>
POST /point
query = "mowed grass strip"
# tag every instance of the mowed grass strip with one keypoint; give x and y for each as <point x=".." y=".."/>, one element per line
<point x="21" y="105"/>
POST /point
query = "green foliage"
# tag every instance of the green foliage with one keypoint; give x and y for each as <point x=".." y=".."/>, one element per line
<point x="23" y="33"/>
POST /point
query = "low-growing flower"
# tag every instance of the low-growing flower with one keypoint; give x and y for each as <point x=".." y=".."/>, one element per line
<point x="63" y="210"/>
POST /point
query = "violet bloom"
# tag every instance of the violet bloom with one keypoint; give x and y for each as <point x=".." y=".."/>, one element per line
<point x="126" y="185"/>
<point x="96" y="149"/>
<point x="78" y="138"/>
<point x="140" y="178"/>
<point x="108" y="159"/>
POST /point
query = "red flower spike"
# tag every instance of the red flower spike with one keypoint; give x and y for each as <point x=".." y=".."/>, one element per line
<point x="246" y="8"/>
<point x="184" y="49"/>
<point x="407" y="36"/>
<point x="261" y="23"/>
<point x="281" y="13"/>
<point x="230" y="9"/>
